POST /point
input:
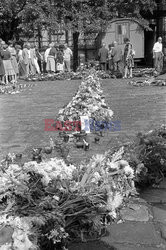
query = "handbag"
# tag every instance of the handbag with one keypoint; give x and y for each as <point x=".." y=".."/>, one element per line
<point x="60" y="66"/>
<point x="133" y="52"/>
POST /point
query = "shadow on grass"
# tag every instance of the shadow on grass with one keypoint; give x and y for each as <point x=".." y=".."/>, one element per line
<point x="95" y="245"/>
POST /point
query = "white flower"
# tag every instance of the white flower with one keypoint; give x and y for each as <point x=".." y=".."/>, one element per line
<point x="21" y="241"/>
<point x="129" y="171"/>
<point x="97" y="176"/>
<point x="7" y="246"/>
<point x="56" y="197"/>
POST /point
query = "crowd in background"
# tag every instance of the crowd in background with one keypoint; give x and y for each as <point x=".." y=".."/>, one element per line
<point x="24" y="61"/>
<point x="114" y="59"/>
<point x="17" y="61"/>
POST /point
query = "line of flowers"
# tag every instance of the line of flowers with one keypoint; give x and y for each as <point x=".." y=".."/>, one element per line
<point x="89" y="101"/>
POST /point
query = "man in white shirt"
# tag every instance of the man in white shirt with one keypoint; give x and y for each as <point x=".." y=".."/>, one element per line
<point x="28" y="60"/>
<point x="158" y="55"/>
<point x="47" y="52"/>
<point x="67" y="57"/>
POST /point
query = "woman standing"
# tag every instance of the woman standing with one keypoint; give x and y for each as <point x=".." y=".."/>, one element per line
<point x="21" y="65"/>
<point x="35" y="59"/>
<point x="128" y="58"/>
<point x="13" y="57"/>
<point x="39" y="58"/>
<point x="60" y="59"/>
<point x="9" y="71"/>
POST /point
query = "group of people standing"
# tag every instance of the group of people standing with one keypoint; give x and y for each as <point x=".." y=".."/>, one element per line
<point x="58" y="58"/>
<point x="17" y="61"/>
<point x="8" y="62"/>
<point x="115" y="59"/>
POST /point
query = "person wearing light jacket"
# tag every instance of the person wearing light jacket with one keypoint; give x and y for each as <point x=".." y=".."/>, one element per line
<point x="47" y="53"/>
<point x="67" y="57"/>
<point x="158" y="55"/>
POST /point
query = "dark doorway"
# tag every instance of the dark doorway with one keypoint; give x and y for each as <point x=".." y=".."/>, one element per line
<point x="149" y="42"/>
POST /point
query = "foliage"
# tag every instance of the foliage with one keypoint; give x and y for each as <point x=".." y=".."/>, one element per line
<point x="29" y="17"/>
<point x="9" y="20"/>
<point x="147" y="155"/>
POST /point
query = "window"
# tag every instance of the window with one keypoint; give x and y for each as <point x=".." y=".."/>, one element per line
<point x="122" y="31"/>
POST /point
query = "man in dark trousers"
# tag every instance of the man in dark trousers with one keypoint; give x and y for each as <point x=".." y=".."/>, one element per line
<point x="117" y="57"/>
<point x="103" y="56"/>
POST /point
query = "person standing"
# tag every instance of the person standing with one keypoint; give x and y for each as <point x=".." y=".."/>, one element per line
<point x="46" y="53"/>
<point x="34" y="59"/>
<point x="13" y="53"/>
<point x="128" y="58"/>
<point x="103" y="56"/>
<point x="116" y="57"/>
<point x="28" y="60"/>
<point x="39" y="58"/>
<point x="110" y="61"/>
<point x="21" y="65"/>
<point x="60" y="59"/>
<point x="51" y="59"/>
<point x="2" y="70"/>
<point x="67" y="57"/>
<point x="9" y="70"/>
<point x="158" y="55"/>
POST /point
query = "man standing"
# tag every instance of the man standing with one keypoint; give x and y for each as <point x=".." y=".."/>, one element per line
<point x="103" y="56"/>
<point x="67" y="57"/>
<point x="158" y="55"/>
<point x="117" y="57"/>
<point x="28" y="59"/>
<point x="46" y="53"/>
<point x="50" y="67"/>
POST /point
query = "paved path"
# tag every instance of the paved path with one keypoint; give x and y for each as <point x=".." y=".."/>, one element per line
<point x="143" y="224"/>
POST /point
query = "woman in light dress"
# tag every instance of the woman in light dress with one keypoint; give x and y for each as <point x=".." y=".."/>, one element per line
<point x="21" y="65"/>
<point x="8" y="67"/>
<point x="13" y="53"/>
<point x="35" y="60"/>
<point x="128" y="58"/>
<point x="60" y="59"/>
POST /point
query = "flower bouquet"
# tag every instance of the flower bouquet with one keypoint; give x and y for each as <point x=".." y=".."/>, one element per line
<point x="45" y="204"/>
<point x="147" y="155"/>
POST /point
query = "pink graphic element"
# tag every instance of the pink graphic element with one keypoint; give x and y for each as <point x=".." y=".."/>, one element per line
<point x="52" y="125"/>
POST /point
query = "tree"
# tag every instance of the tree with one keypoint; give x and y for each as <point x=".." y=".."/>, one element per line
<point x="25" y="17"/>
<point x="94" y="15"/>
<point x="9" y="20"/>
<point x="28" y="17"/>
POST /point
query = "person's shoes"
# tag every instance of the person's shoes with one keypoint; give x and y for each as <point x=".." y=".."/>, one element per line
<point x="124" y="77"/>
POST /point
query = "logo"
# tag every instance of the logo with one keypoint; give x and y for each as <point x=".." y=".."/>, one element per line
<point x="89" y="125"/>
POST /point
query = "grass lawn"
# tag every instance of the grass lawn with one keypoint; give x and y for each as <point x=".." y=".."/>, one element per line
<point x="22" y="115"/>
